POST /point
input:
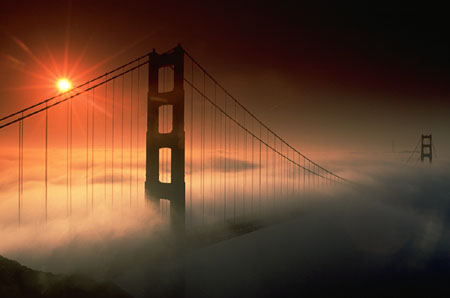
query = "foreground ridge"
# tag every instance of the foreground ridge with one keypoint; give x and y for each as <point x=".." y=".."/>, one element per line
<point x="17" y="280"/>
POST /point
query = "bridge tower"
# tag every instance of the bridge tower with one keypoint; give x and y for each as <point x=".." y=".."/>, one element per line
<point x="156" y="190"/>
<point x="426" y="150"/>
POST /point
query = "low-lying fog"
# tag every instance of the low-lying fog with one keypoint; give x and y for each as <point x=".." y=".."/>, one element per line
<point x="389" y="233"/>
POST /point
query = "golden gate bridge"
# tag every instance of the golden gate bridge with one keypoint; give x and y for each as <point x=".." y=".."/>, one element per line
<point x="158" y="129"/>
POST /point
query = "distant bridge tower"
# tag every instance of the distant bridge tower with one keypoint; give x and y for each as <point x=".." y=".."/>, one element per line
<point x="426" y="150"/>
<point x="170" y="141"/>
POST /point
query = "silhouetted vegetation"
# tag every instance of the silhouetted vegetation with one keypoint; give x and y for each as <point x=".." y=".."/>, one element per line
<point x="19" y="281"/>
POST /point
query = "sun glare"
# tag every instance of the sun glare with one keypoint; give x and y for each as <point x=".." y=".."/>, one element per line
<point x="64" y="85"/>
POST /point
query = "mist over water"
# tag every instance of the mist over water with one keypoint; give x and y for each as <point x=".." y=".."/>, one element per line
<point x="123" y="246"/>
<point x="387" y="233"/>
<point x="387" y="236"/>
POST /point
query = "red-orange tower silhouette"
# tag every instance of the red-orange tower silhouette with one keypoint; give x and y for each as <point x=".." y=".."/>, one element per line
<point x="173" y="191"/>
<point x="426" y="151"/>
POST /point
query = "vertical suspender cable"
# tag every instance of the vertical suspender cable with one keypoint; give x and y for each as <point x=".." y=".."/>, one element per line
<point x="211" y="153"/>
<point x="299" y="174"/>
<point x="222" y="177"/>
<point x="308" y="186"/>
<point x="235" y="163"/>
<point x="131" y="134"/>
<point x="226" y="169"/>
<point x="18" y="192"/>
<point x="267" y="169"/>
<point x="282" y="190"/>
<point x="240" y="174"/>
<point x="260" y="169"/>
<point x="213" y="159"/>
<point x="87" y="150"/>
<point x="70" y="167"/>
<point x="92" y="146"/>
<point x="285" y="177"/>
<point x="67" y="156"/>
<point x="202" y="138"/>
<point x="122" y="119"/>
<point x="19" y="209"/>
<point x="274" y="172"/>
<point x="309" y="176"/>
<point x="282" y="170"/>
<point x="105" y="108"/>
<point x="319" y="178"/>
<point x="275" y="168"/>
<point x="314" y="178"/>
<point x="21" y="170"/>
<point x="253" y="165"/>
<point x="137" y="133"/>
<point x="286" y="172"/>
<point x="112" y="140"/>
<point x="244" y="190"/>
<point x="166" y="125"/>
<point x="304" y="176"/>
<point x="21" y="165"/>
<point x="293" y="176"/>
<point x="191" y="144"/>
<point x="46" y="161"/>
<point x="278" y="173"/>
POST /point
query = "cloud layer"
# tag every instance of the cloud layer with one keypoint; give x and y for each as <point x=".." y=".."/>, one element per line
<point x="379" y="236"/>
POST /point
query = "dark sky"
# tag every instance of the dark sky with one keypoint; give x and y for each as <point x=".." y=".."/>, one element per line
<point x="325" y="77"/>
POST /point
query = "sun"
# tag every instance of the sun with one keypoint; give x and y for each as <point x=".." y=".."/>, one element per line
<point x="63" y="85"/>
